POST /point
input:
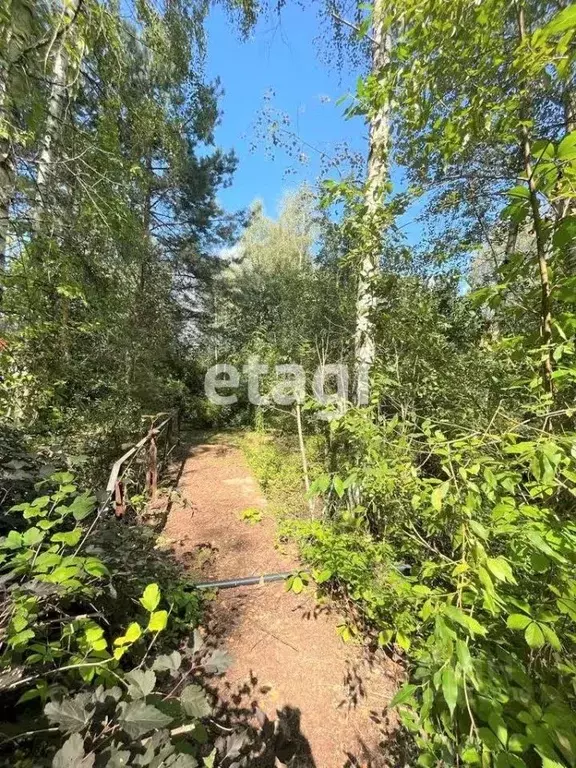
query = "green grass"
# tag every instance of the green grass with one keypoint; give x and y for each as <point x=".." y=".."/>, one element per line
<point x="276" y="463"/>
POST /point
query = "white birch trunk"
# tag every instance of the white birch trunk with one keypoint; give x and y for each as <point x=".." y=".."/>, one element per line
<point x="55" y="114"/>
<point x="365" y="348"/>
<point x="6" y="161"/>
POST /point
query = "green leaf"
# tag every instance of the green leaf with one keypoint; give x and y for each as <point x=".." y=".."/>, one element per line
<point x="450" y="688"/>
<point x="321" y="577"/>
<point x="403" y="641"/>
<point x="565" y="234"/>
<point x="93" y="634"/>
<point x="71" y="538"/>
<point x="405" y="694"/>
<point x="560" y="23"/>
<point x="21" y="638"/>
<point x="497" y="724"/>
<point x="62" y="478"/>
<point x="320" y="485"/>
<point x="567" y="147"/>
<point x="70" y="715"/>
<point x="514" y="761"/>
<point x="479" y="529"/>
<point x="518" y="621"/>
<point x="195" y="702"/>
<point x="518" y="743"/>
<point x="522" y="447"/>
<point x="131" y="635"/>
<point x="12" y="541"/>
<point x="567" y="606"/>
<point x="534" y="635"/>
<point x="519" y="192"/>
<point x="72" y="755"/>
<point x="543" y="148"/>
<point x="19" y="622"/>
<point x="33" y="536"/>
<point x="63" y="573"/>
<point x="82" y="506"/>
<point x="489" y="739"/>
<point x="438" y="494"/>
<point x="95" y="567"/>
<point x="547" y="762"/>
<point x="138" y="718"/>
<point x="140" y="683"/>
<point x="463" y="654"/>
<point x="41" y="502"/>
<point x="297" y="585"/>
<point x="462" y="618"/>
<point x="385" y="637"/>
<point x="470" y="755"/>
<point x="158" y="621"/>
<point x="551" y="637"/>
<point x="500" y="568"/>
<point x="338" y="485"/>
<point x="151" y="597"/>
<point x="169" y="663"/>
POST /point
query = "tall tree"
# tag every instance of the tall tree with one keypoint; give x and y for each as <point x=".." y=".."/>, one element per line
<point x="377" y="178"/>
<point x="57" y="74"/>
<point x="115" y="215"/>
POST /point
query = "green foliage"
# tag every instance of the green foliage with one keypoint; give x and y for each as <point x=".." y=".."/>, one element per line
<point x="471" y="575"/>
<point x="109" y="184"/>
<point x="274" y="460"/>
<point x="297" y="582"/>
<point x="82" y="640"/>
<point x="446" y="512"/>
<point x="251" y="515"/>
<point x="282" y="299"/>
<point x="449" y="501"/>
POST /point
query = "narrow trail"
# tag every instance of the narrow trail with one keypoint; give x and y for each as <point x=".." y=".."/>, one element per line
<point x="327" y="698"/>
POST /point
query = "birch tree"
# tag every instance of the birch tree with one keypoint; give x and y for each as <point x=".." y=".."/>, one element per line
<point x="378" y="172"/>
<point x="57" y="74"/>
<point x="6" y="163"/>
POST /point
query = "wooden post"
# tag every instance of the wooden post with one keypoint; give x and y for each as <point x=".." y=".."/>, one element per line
<point x="119" y="507"/>
<point x="303" y="456"/>
<point x="152" y="474"/>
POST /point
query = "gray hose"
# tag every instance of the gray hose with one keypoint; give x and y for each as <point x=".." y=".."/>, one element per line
<point x="245" y="582"/>
<point x="264" y="579"/>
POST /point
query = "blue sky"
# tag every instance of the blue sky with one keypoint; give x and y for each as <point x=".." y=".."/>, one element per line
<point x="280" y="57"/>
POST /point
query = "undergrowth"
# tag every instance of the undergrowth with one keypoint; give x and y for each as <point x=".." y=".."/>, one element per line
<point x="459" y="550"/>
<point x="275" y="460"/>
<point x="100" y="661"/>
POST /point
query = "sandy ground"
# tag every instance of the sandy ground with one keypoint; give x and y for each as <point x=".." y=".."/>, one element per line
<point x="328" y="698"/>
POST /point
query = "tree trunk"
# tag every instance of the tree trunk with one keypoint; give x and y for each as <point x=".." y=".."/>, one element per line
<point x="55" y="113"/>
<point x="365" y="347"/>
<point x="545" y="288"/>
<point x="141" y="299"/>
<point x="6" y="159"/>
<point x="568" y="208"/>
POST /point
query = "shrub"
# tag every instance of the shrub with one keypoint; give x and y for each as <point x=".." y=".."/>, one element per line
<point x="461" y="548"/>
<point x="83" y="672"/>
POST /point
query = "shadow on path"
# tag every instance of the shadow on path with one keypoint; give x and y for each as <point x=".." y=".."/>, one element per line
<point x="295" y="695"/>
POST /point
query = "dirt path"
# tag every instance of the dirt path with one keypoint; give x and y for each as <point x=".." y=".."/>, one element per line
<point x="328" y="701"/>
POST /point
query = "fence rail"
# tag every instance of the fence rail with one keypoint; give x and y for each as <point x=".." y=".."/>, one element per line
<point x="116" y="486"/>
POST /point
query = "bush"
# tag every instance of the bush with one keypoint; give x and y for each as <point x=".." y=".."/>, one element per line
<point x="460" y="549"/>
<point x="90" y="616"/>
